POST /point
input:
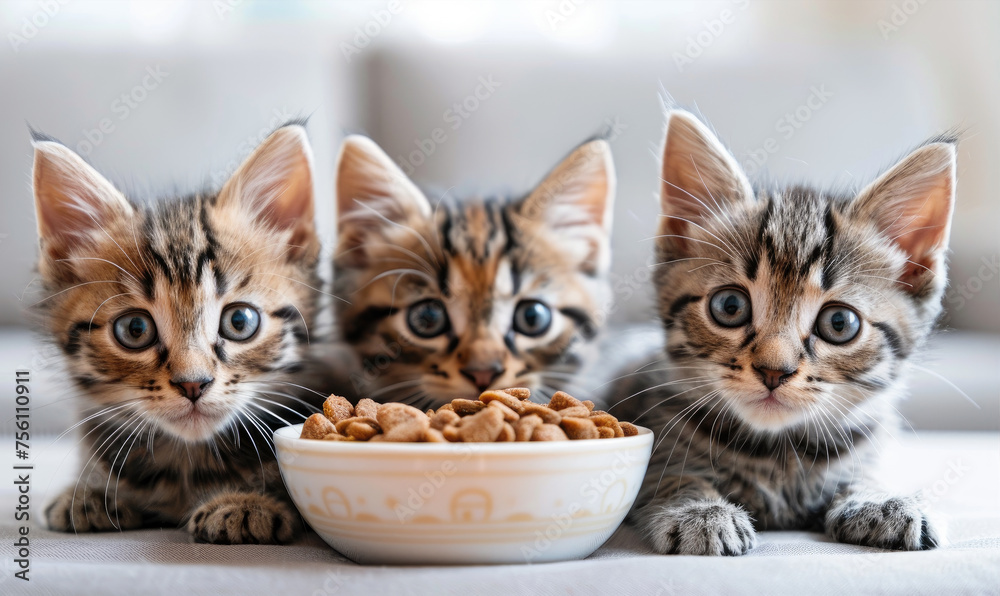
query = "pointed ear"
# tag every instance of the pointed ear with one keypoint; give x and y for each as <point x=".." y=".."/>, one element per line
<point x="912" y="204"/>
<point x="72" y="201"/>
<point x="373" y="194"/>
<point x="275" y="185"/>
<point x="699" y="178"/>
<point x="575" y="202"/>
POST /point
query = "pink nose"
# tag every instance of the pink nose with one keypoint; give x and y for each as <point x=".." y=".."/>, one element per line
<point x="773" y="379"/>
<point x="482" y="377"/>
<point x="192" y="389"/>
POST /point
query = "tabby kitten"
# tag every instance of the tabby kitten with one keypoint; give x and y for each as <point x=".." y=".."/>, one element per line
<point x="181" y="323"/>
<point x="450" y="299"/>
<point x="790" y="314"/>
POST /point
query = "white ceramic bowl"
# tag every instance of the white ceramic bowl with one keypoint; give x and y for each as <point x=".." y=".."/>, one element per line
<point x="451" y="503"/>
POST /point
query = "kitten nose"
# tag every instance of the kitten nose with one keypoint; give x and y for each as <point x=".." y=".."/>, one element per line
<point x="772" y="378"/>
<point x="192" y="389"/>
<point x="483" y="377"/>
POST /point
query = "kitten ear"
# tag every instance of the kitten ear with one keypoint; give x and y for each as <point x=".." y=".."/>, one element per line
<point x="912" y="204"/>
<point x="575" y="202"/>
<point x="699" y="176"/>
<point x="72" y="201"/>
<point x="275" y="185"/>
<point x="372" y="194"/>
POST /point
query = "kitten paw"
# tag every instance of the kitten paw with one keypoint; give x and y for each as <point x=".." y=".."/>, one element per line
<point x="243" y="518"/>
<point x="897" y="523"/>
<point x="711" y="527"/>
<point x="88" y="511"/>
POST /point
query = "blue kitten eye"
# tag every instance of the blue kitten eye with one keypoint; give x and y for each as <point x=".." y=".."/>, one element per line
<point x="135" y="330"/>
<point x="838" y="324"/>
<point x="730" y="307"/>
<point x="239" y="322"/>
<point x="532" y="318"/>
<point x="428" y="318"/>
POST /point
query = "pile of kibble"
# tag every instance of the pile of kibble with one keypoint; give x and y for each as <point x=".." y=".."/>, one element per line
<point x="497" y="416"/>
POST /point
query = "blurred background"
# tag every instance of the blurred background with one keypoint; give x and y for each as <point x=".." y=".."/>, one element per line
<point x="165" y="96"/>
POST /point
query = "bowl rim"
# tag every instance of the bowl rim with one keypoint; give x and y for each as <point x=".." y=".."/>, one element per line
<point x="290" y="435"/>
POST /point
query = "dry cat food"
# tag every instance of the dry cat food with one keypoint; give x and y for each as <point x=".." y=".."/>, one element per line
<point x="497" y="416"/>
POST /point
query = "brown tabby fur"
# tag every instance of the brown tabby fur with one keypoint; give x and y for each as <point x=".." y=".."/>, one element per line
<point x="152" y="456"/>
<point x="732" y="455"/>
<point x="480" y="257"/>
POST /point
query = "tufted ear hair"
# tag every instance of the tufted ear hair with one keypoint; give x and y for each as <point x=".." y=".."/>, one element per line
<point x="575" y="202"/>
<point x="699" y="177"/>
<point x="373" y="194"/>
<point x="72" y="200"/>
<point x="275" y="185"/>
<point x="912" y="204"/>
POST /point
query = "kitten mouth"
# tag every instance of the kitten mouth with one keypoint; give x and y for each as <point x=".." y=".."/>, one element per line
<point x="771" y="402"/>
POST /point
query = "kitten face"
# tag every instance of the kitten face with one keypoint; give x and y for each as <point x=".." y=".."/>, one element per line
<point x="448" y="301"/>
<point x="790" y="304"/>
<point x="179" y="314"/>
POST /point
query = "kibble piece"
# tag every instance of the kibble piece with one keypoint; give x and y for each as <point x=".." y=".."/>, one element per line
<point x="605" y="432"/>
<point x="435" y="436"/>
<point x="393" y="415"/>
<point x="443" y="418"/>
<point x="518" y="392"/>
<point x="549" y="432"/>
<point x="336" y="437"/>
<point x="580" y="428"/>
<point x="607" y="420"/>
<point x="361" y="431"/>
<point x="575" y="412"/>
<point x="589" y="404"/>
<point x="343" y="424"/>
<point x="629" y="429"/>
<point x="524" y="427"/>
<point x="366" y="407"/>
<point x="336" y="408"/>
<point x="548" y="415"/>
<point x="446" y="408"/>
<point x="451" y="434"/>
<point x="504" y="398"/>
<point x="506" y="433"/>
<point x="317" y="427"/>
<point x="408" y="432"/>
<point x="509" y="415"/>
<point x="561" y="400"/>
<point x="482" y="427"/>
<point x="464" y="407"/>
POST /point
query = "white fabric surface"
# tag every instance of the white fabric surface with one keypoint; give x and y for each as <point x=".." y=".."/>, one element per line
<point x="960" y="473"/>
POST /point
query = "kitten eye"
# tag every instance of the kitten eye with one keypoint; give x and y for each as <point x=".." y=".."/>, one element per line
<point x="428" y="318"/>
<point x="239" y="322"/>
<point x="730" y="307"/>
<point x="838" y="324"/>
<point x="532" y="318"/>
<point x="135" y="330"/>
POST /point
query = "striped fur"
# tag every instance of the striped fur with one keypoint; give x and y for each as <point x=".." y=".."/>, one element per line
<point x="154" y="457"/>
<point x="734" y="454"/>
<point x="481" y="258"/>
